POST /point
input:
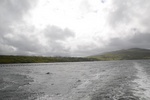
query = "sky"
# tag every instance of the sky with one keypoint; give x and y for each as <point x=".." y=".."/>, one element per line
<point x="73" y="27"/>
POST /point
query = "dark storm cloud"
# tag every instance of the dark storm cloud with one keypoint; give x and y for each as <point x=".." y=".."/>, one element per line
<point x="138" y="40"/>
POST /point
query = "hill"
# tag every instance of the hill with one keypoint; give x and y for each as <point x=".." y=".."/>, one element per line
<point x="129" y="54"/>
<point x="4" y="59"/>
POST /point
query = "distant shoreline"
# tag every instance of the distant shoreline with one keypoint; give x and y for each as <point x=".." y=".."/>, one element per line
<point x="39" y="59"/>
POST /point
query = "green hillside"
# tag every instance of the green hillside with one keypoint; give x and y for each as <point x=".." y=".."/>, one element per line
<point x="38" y="59"/>
<point x="129" y="54"/>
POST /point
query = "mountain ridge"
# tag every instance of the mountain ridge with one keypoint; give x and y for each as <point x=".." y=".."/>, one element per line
<point x="124" y="54"/>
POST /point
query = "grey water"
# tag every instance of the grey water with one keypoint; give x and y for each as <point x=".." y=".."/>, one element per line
<point x="99" y="80"/>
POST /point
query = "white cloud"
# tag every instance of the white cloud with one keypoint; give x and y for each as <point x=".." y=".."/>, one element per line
<point x="72" y="27"/>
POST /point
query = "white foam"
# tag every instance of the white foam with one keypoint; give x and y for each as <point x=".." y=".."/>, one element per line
<point x="143" y="83"/>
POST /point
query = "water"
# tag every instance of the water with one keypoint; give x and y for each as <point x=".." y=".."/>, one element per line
<point x="103" y="80"/>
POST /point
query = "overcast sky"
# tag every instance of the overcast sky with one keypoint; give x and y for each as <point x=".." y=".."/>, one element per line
<point x="73" y="27"/>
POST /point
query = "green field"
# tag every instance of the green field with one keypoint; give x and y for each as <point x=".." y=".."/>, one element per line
<point x="40" y="59"/>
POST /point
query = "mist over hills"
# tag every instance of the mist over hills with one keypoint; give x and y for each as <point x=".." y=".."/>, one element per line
<point x="124" y="54"/>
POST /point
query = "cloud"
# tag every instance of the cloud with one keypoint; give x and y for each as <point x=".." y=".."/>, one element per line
<point x="19" y="38"/>
<point x="130" y="19"/>
<point x="88" y="6"/>
<point x="141" y="40"/>
<point x="51" y="41"/>
<point x="131" y="13"/>
<point x="11" y="16"/>
<point x="85" y="6"/>
<point x="20" y="42"/>
<point x="11" y="12"/>
<point x="138" y="40"/>
<point x="55" y="33"/>
<point x="72" y="28"/>
<point x="56" y="40"/>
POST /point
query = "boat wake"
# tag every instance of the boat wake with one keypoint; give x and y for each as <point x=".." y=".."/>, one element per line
<point x="142" y="86"/>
